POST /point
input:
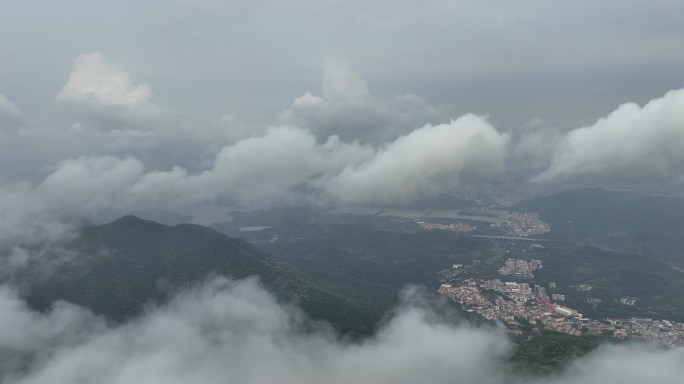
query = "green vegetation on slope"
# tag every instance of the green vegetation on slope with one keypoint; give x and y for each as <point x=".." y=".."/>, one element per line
<point x="372" y="265"/>
<point x="632" y="222"/>
<point x="548" y="351"/>
<point x="122" y="266"/>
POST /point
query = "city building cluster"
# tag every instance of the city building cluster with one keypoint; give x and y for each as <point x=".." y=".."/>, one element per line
<point x="518" y="223"/>
<point x="511" y="303"/>
<point x="521" y="268"/>
<point x="455" y="227"/>
<point x="667" y="332"/>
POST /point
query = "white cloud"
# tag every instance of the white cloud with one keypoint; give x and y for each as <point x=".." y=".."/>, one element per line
<point x="236" y="332"/>
<point x="48" y="212"/>
<point x="285" y="165"/>
<point x="117" y="158"/>
<point x="96" y="80"/>
<point x="258" y="171"/>
<point x="228" y="332"/>
<point x="189" y="162"/>
<point x="628" y="364"/>
<point x="424" y="162"/>
<point x="281" y="165"/>
<point x="27" y="219"/>
<point x="632" y="141"/>
<point x="31" y="338"/>
<point x="88" y="184"/>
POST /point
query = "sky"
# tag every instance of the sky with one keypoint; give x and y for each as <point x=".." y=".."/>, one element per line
<point x="567" y="63"/>
<point x="108" y="108"/>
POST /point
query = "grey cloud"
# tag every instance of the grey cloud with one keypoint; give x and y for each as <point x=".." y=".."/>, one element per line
<point x="257" y="171"/>
<point x="124" y="153"/>
<point x="86" y="183"/>
<point x="11" y="117"/>
<point x="29" y="338"/>
<point x="502" y="58"/>
<point x="102" y="112"/>
<point x="104" y="100"/>
<point x="635" y="363"/>
<point x="531" y="148"/>
<point x="236" y="332"/>
<point x="33" y="225"/>
<point x="46" y="213"/>
<point x="284" y="166"/>
<point x="347" y="109"/>
<point x="267" y="170"/>
<point x="25" y="218"/>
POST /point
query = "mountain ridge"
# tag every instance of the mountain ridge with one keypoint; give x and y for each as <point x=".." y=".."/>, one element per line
<point x="128" y="264"/>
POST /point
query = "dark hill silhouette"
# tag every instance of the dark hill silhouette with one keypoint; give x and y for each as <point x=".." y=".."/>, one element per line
<point x="121" y="267"/>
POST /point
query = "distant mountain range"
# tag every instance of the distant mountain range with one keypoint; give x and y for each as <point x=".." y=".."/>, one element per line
<point x="627" y="221"/>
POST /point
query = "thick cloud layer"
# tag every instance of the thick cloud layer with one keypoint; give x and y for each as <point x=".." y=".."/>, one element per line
<point x="236" y="333"/>
<point x="122" y="152"/>
<point x="112" y="150"/>
<point x="425" y="161"/>
<point x="269" y="169"/>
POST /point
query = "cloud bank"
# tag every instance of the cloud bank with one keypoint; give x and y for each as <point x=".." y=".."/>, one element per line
<point x="424" y="162"/>
<point x="630" y="142"/>
<point x="235" y="332"/>
<point x="121" y="152"/>
<point x="112" y="150"/>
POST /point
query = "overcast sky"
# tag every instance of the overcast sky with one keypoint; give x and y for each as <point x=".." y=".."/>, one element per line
<point x="565" y="62"/>
<point x="127" y="105"/>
